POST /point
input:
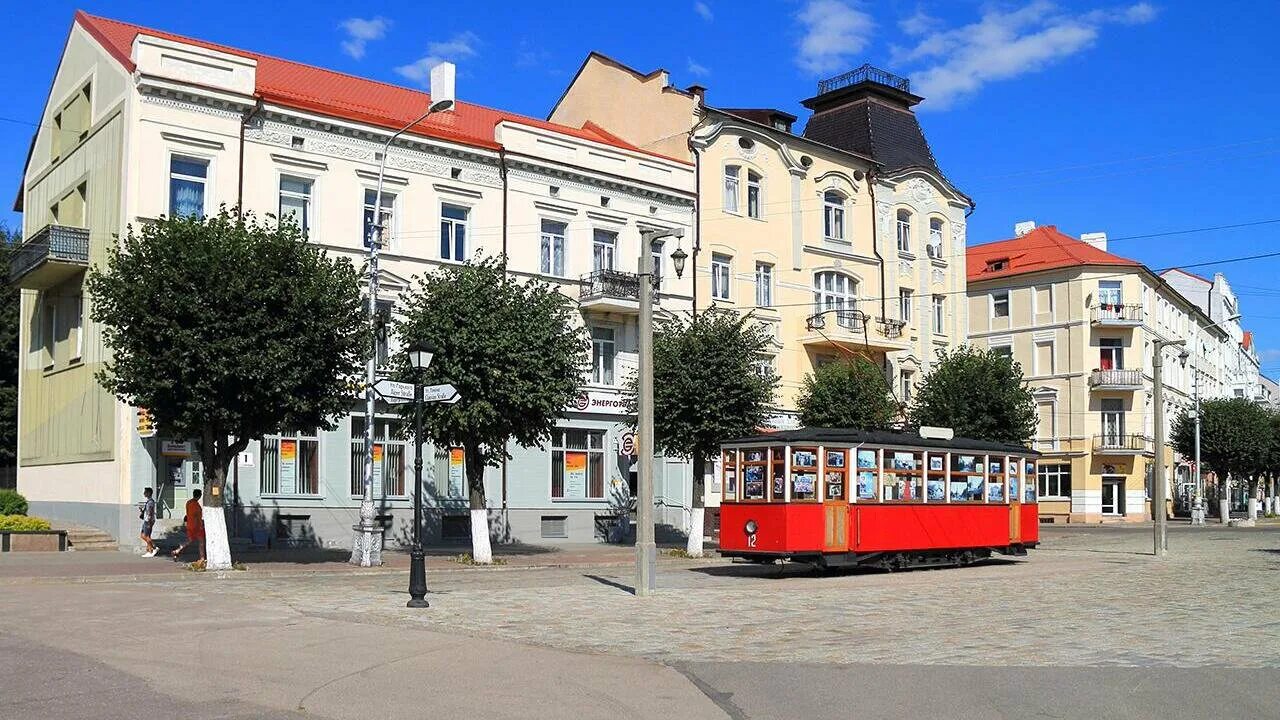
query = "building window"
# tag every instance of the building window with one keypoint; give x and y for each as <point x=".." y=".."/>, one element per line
<point x="940" y="314"/>
<point x="904" y="231"/>
<point x="753" y="194"/>
<point x="75" y="327"/>
<point x="1002" y="350"/>
<point x="49" y="328"/>
<point x="385" y="219"/>
<point x="731" y="173"/>
<point x="904" y="305"/>
<point x="1043" y="298"/>
<point x="389" y="453"/>
<point x="1112" y="417"/>
<point x="553" y="248"/>
<point x="1047" y="424"/>
<point x="1000" y="304"/>
<point x="1110" y="297"/>
<point x="289" y="464"/>
<point x="908" y="382"/>
<point x="935" y="238"/>
<point x="720" y="272"/>
<point x="762" y="365"/>
<point x="656" y="248"/>
<point x="604" y="351"/>
<point x="833" y="215"/>
<point x="187" y="177"/>
<point x="295" y="201"/>
<point x="453" y="232"/>
<point x="1110" y="354"/>
<point x="577" y="464"/>
<point x="1044" y="358"/>
<point x="764" y="285"/>
<point x="1054" y="480"/>
<point x="837" y="292"/>
<point x="603" y="246"/>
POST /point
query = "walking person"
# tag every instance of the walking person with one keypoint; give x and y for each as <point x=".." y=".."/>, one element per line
<point x="195" y="526"/>
<point x="147" y="514"/>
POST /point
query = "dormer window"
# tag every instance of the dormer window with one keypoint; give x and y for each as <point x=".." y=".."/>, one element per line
<point x="998" y="265"/>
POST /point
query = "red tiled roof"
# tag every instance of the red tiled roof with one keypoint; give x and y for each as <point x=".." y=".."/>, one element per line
<point x="1041" y="249"/>
<point x="335" y="94"/>
<point x="1248" y="339"/>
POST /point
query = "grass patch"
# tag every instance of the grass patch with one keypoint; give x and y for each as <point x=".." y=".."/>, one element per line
<point x="682" y="553"/>
<point x="199" y="566"/>
<point x="466" y="559"/>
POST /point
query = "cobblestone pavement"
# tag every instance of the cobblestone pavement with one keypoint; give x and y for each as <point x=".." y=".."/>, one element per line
<point x="1087" y="597"/>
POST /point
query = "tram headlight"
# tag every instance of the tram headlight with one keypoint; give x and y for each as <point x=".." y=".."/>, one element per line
<point x="751" y="527"/>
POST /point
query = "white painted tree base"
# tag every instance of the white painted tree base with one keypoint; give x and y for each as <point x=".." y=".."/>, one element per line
<point x="1253" y="508"/>
<point x="481" y="551"/>
<point x="1224" y="511"/>
<point x="694" y="546"/>
<point x="217" y="549"/>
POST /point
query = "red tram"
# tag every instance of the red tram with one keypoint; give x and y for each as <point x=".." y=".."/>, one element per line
<point x="839" y="497"/>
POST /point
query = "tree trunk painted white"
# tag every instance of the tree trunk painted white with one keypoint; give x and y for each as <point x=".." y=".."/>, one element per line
<point x="694" y="546"/>
<point x="1253" y="508"/>
<point x="481" y="551"/>
<point x="1224" y="510"/>
<point x="217" y="549"/>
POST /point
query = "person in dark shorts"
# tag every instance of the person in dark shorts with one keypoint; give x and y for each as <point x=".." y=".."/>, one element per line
<point x="147" y="514"/>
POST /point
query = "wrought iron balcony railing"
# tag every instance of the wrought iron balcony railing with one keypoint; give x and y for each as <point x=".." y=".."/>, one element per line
<point x="1117" y="314"/>
<point x="1121" y="443"/>
<point x="56" y="243"/>
<point x="864" y="73"/>
<point x="1124" y="379"/>
<point x="891" y="328"/>
<point x="854" y="321"/>
<point x="611" y="285"/>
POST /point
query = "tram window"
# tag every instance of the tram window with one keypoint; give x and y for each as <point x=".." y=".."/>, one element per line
<point x="995" y="480"/>
<point x="729" y="474"/>
<point x="868" y="469"/>
<point x="755" y="464"/>
<point x="779" y="475"/>
<point x="935" y="484"/>
<point x="835" y="474"/>
<point x="804" y="473"/>
<point x="1029" y="487"/>
<point x="903" y="476"/>
<point x="1014" y="465"/>
<point x="966" y="477"/>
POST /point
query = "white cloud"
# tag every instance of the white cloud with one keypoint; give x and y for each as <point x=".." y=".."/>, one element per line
<point x="455" y="49"/>
<point x="704" y="11"/>
<point x="1002" y="44"/>
<point x="834" y="31"/>
<point x="696" y="69"/>
<point x="919" y="23"/>
<point x="1269" y="356"/>
<point x="361" y="32"/>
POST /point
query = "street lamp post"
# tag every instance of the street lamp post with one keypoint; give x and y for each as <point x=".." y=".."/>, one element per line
<point x="366" y="545"/>
<point x="1159" y="521"/>
<point x="419" y="359"/>
<point x="646" y="546"/>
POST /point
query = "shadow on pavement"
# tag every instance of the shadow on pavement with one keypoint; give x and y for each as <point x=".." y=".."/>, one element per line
<point x="630" y="590"/>
<point x="781" y="570"/>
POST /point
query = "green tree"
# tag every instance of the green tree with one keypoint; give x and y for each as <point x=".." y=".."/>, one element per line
<point x="978" y="393"/>
<point x="1237" y="441"/>
<point x="515" y="350"/>
<point x="847" y="394"/>
<point x="9" y="304"/>
<point x="227" y="329"/>
<point x="707" y="388"/>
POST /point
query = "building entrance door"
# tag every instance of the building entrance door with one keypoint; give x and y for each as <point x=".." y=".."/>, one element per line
<point x="1112" y="496"/>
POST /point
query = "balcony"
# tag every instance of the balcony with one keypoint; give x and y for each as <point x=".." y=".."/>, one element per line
<point x="1117" y="444"/>
<point x="611" y="291"/>
<point x="1116" y="315"/>
<point x="889" y="328"/>
<point x="840" y="321"/>
<point x="49" y="257"/>
<point x="1130" y="379"/>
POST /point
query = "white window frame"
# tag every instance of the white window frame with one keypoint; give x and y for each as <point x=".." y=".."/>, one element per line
<point x="454" y="224"/>
<point x="1057" y="475"/>
<point x="903" y="228"/>
<point x="390" y="213"/>
<point x="764" y="284"/>
<point x="906" y="379"/>
<point x="308" y="223"/>
<point x="602" y="249"/>
<point x="732" y="189"/>
<point x="206" y="181"/>
<point x="721" y="276"/>
<point x="562" y="448"/>
<point x="906" y="296"/>
<point x="599" y="358"/>
<point x="548" y="240"/>
<point x="834" y="290"/>
<point x="49" y="327"/>
<point x="755" y="186"/>
<point x="1001" y="347"/>
<point x="937" y="230"/>
<point x="76" y="344"/>
<point x="833" y="215"/>
<point x="939" y="314"/>
<point x="1008" y="304"/>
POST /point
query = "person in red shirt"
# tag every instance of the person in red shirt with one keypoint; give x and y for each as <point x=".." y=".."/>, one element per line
<point x="195" y="526"/>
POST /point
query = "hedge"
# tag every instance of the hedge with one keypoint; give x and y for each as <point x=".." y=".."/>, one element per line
<point x="12" y="503"/>
<point x="20" y="523"/>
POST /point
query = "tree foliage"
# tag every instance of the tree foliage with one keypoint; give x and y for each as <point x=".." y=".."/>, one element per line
<point x="228" y="328"/>
<point x="1238" y="438"/>
<point x="978" y="393"/>
<point x="515" y="350"/>
<point x="9" y="304"/>
<point x="847" y="394"/>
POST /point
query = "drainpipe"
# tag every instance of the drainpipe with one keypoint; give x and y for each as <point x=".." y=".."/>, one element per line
<point x="245" y="119"/>
<point x="875" y="240"/>
<point x="502" y="173"/>
<point x="697" y="219"/>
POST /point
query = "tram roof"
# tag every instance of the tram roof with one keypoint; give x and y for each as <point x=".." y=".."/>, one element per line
<point x="851" y="436"/>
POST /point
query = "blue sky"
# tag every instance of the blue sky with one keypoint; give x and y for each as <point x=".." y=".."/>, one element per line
<point x="1128" y="117"/>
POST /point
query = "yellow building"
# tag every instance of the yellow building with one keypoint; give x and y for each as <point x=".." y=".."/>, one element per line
<point x="839" y="246"/>
<point x="1081" y="322"/>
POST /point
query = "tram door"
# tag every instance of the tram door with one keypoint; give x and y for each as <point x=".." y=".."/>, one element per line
<point x="1016" y="468"/>
<point x="835" y="501"/>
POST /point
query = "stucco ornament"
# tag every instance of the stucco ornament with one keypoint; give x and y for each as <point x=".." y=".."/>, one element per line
<point x="904" y="266"/>
<point x="957" y="233"/>
<point x="920" y="192"/>
<point x="939" y="277"/>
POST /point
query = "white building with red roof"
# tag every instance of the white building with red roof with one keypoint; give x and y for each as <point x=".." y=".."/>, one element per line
<point x="141" y="123"/>
<point x="1242" y="372"/>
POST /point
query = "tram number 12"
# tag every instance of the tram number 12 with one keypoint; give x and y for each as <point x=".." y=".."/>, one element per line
<point x="751" y="541"/>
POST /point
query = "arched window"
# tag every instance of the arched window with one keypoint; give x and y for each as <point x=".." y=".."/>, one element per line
<point x="833" y="291"/>
<point x="833" y="215"/>
<point x="731" y="175"/>
<point x="904" y="231"/>
<point x="935" y="238"/>
<point x="753" y="194"/>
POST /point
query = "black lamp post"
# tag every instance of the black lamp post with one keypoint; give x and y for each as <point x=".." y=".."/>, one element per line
<point x="419" y="358"/>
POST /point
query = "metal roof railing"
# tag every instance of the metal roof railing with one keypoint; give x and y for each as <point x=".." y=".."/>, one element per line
<point x="867" y="72"/>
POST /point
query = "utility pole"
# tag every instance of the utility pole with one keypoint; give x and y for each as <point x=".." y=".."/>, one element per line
<point x="1198" y="509"/>
<point x="1158" y="516"/>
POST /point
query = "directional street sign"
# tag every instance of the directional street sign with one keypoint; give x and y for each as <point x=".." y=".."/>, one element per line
<point x="393" y="392"/>
<point x="440" y="393"/>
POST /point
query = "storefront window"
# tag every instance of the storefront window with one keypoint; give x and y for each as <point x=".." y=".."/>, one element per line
<point x="967" y="477"/>
<point x="804" y="473"/>
<point x="290" y="464"/>
<point x="389" y="452"/>
<point x="935" y="485"/>
<point x="903" y="477"/>
<point x="1014" y="476"/>
<point x="868" y="470"/>
<point x="577" y="464"/>
<point x="835" y="474"/>
<point x="755" y="464"/>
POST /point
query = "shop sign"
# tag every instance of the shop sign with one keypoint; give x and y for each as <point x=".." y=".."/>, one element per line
<point x="607" y="403"/>
<point x="457" y="472"/>
<point x="575" y="474"/>
<point x="288" y="466"/>
<point x="175" y="448"/>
